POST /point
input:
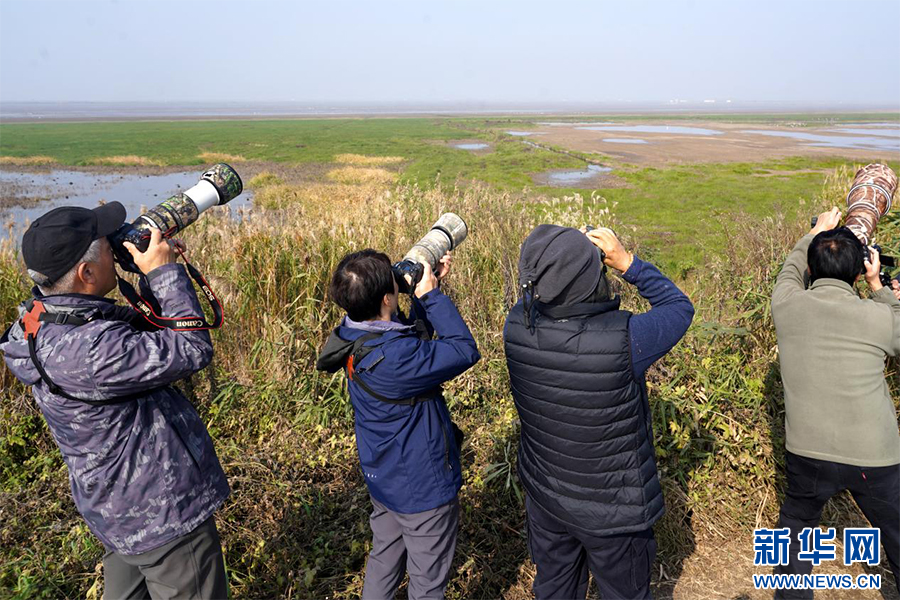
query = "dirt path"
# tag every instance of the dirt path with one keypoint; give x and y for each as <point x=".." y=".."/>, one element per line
<point x="723" y="571"/>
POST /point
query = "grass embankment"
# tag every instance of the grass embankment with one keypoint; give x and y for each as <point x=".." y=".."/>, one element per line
<point x="296" y="524"/>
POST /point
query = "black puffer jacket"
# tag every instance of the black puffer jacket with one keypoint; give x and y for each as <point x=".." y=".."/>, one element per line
<point x="586" y="454"/>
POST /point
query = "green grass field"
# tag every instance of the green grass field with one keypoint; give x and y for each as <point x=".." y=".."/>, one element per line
<point x="666" y="205"/>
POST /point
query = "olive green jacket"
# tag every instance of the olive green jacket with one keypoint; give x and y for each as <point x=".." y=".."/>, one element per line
<point x="832" y="346"/>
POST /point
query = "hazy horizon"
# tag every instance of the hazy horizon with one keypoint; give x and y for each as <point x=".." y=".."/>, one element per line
<point x="568" y="54"/>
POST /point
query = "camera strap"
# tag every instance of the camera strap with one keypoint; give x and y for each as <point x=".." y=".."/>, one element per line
<point x="148" y="307"/>
<point x="419" y="323"/>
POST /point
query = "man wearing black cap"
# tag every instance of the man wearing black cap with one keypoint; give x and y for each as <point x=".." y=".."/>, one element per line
<point x="576" y="366"/>
<point x="142" y="468"/>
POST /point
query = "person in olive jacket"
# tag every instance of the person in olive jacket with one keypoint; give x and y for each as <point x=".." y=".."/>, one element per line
<point x="840" y="422"/>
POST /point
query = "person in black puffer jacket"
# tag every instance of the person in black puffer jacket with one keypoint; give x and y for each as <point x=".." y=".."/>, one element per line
<point x="576" y="365"/>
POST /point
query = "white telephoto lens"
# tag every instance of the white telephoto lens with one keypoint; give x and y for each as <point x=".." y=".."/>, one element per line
<point x="204" y="195"/>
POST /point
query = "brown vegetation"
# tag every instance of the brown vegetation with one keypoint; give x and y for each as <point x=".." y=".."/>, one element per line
<point x="20" y="161"/>
<point x="130" y="160"/>
<point x="367" y="161"/>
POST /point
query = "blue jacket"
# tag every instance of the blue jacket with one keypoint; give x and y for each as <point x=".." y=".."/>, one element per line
<point x="143" y="472"/>
<point x="656" y="331"/>
<point x="408" y="455"/>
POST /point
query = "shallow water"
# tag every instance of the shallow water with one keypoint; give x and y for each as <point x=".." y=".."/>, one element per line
<point x="879" y="131"/>
<point x="471" y="146"/>
<point x="625" y="140"/>
<point x="524" y="133"/>
<point x="655" y="129"/>
<point x="886" y="124"/>
<point x="836" y="141"/>
<point x="572" y="124"/>
<point x="566" y="178"/>
<point x="77" y="188"/>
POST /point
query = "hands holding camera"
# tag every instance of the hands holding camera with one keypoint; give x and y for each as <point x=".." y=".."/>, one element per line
<point x="829" y="220"/>
<point x="873" y="270"/>
<point x="159" y="252"/>
<point x="873" y="274"/>
<point x="430" y="279"/>
<point x="614" y="252"/>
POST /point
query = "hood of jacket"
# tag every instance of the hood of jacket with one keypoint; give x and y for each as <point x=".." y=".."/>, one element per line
<point x="340" y="342"/>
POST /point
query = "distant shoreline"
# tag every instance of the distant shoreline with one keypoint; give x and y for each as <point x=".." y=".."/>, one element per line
<point x="82" y="112"/>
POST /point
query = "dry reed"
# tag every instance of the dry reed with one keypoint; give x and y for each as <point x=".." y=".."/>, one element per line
<point x="367" y="161"/>
<point x="130" y="160"/>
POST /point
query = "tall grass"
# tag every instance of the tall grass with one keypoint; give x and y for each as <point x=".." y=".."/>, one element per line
<point x="296" y="525"/>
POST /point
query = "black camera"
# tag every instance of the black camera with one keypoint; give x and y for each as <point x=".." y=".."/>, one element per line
<point x="600" y="250"/>
<point x="889" y="262"/>
<point x="407" y="268"/>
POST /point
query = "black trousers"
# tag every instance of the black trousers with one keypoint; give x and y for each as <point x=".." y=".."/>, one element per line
<point x="811" y="482"/>
<point x="620" y="563"/>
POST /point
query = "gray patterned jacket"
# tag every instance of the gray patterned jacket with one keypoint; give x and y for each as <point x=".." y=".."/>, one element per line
<point x="142" y="472"/>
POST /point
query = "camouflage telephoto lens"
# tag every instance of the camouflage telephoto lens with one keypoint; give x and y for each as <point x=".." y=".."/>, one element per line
<point x="218" y="185"/>
<point x="446" y="234"/>
<point x="169" y="216"/>
<point x="226" y="181"/>
<point x="869" y="199"/>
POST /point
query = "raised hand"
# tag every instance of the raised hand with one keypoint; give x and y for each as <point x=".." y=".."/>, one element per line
<point x="159" y="252"/>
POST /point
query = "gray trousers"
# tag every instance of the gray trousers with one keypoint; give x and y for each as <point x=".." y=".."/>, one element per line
<point x="187" y="567"/>
<point x="421" y="544"/>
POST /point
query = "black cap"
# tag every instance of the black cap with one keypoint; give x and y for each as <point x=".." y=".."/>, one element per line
<point x="56" y="241"/>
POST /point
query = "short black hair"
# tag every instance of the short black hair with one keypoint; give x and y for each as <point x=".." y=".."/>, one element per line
<point x="360" y="283"/>
<point x="836" y="254"/>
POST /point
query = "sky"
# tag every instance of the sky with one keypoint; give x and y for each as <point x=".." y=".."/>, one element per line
<point x="817" y="52"/>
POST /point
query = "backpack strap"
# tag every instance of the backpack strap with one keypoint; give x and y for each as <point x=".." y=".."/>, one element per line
<point x="36" y="314"/>
<point x="359" y="352"/>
